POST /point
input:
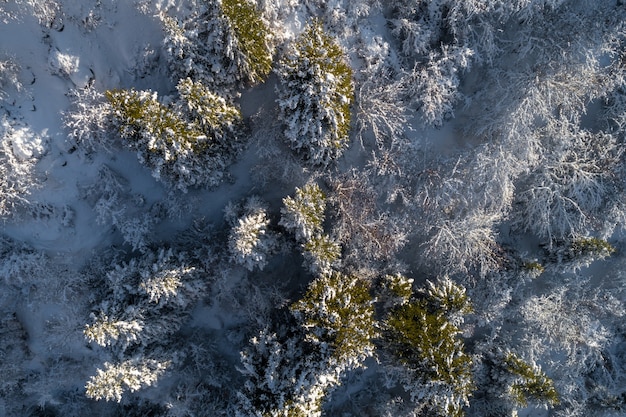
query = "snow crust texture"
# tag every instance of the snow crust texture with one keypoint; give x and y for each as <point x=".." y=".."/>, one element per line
<point x="253" y="208"/>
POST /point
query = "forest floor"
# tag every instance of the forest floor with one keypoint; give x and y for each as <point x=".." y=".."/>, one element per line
<point x="111" y="45"/>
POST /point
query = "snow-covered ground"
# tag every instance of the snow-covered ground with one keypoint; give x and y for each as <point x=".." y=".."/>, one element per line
<point x="481" y="147"/>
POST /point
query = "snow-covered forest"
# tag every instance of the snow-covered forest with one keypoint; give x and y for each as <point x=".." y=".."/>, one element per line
<point x="306" y="208"/>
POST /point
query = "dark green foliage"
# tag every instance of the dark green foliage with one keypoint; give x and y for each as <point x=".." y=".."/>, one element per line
<point x="399" y="286"/>
<point x="226" y="45"/>
<point x="533" y="266"/>
<point x="591" y="246"/>
<point x="316" y="94"/>
<point x="290" y="373"/>
<point x="141" y="115"/>
<point x="322" y="252"/>
<point x="338" y="310"/>
<point x="429" y="342"/>
<point x="251" y="35"/>
<point x="187" y="144"/>
<point x="304" y="213"/>
<point x="530" y="383"/>
<point x="207" y="110"/>
<point x="447" y="297"/>
<point x="423" y="335"/>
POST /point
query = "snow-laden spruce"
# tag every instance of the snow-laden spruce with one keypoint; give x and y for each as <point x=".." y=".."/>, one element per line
<point x="337" y="311"/>
<point x="292" y="372"/>
<point x="284" y="377"/>
<point x="509" y="383"/>
<point x="144" y="304"/>
<point x="423" y="337"/>
<point x="187" y="144"/>
<point x="89" y="121"/>
<point x="250" y="241"/>
<point x="315" y="95"/>
<point x="303" y="215"/>
<point x="109" y="384"/>
<point x="225" y="45"/>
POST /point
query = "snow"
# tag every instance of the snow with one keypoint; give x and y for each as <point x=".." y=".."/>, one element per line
<point x="65" y="45"/>
<point x="26" y="144"/>
<point x="74" y="57"/>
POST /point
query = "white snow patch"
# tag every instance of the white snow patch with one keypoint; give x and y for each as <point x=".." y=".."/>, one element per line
<point x="63" y="64"/>
<point x="26" y="144"/>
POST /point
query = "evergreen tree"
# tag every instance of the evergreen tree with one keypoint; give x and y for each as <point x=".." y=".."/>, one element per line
<point x="395" y="290"/>
<point x="529" y="383"/>
<point x="132" y="375"/>
<point x="421" y="336"/>
<point x="285" y="377"/>
<point x="186" y="146"/>
<point x="106" y="332"/>
<point x="315" y="95"/>
<point x="250" y="241"/>
<point x="207" y="110"/>
<point x="578" y="252"/>
<point x="304" y="215"/>
<point x="224" y="45"/>
<point x="591" y="246"/>
<point x="321" y="254"/>
<point x="252" y="37"/>
<point x="449" y="298"/>
<point x="337" y="310"/>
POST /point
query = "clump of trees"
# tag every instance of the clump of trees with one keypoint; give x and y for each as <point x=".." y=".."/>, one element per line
<point x="189" y="143"/>
<point x="144" y="305"/>
<point x="416" y="336"/>
<point x="537" y="169"/>
<point x="224" y="45"/>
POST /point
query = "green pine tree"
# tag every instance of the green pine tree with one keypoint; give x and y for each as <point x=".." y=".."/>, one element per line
<point x="315" y="95"/>
<point x="338" y="310"/>
<point x="207" y="110"/>
<point x="421" y="335"/>
<point x="304" y="213"/>
<point x="142" y="118"/>
<point x="530" y="383"/>
<point x="252" y="36"/>
<point x="188" y="143"/>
